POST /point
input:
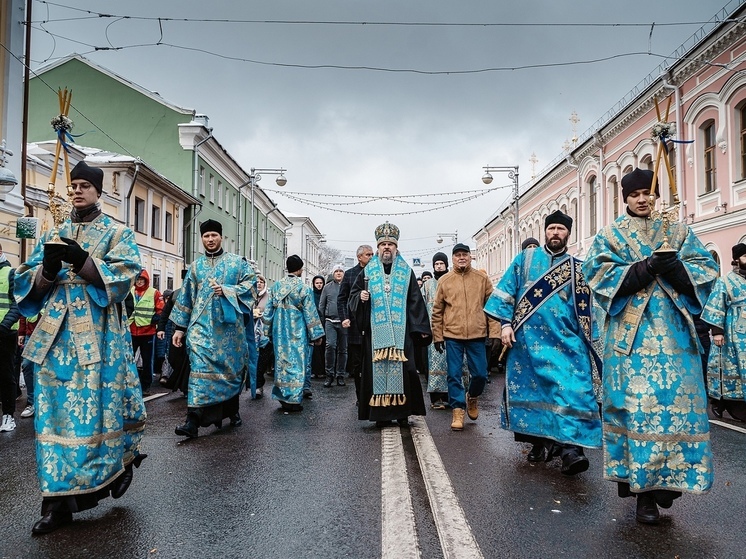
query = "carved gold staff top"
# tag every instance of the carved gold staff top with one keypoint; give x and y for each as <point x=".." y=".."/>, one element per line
<point x="662" y="131"/>
<point x="58" y="206"/>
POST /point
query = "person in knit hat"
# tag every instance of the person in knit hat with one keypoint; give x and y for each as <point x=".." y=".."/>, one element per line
<point x="292" y="318"/>
<point x="437" y="369"/>
<point x="726" y="369"/>
<point x="544" y="310"/>
<point x="652" y="353"/>
<point x="218" y="290"/>
<point x="89" y="414"/>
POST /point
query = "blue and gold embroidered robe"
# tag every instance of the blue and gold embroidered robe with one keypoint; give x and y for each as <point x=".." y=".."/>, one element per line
<point x="656" y="432"/>
<point x="215" y="332"/>
<point x="90" y="415"/>
<point x="726" y="367"/>
<point x="293" y="322"/>
<point x="437" y="380"/>
<point x="548" y="378"/>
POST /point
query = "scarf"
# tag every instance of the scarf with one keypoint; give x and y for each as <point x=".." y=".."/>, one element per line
<point x="388" y="296"/>
<point x="85" y="215"/>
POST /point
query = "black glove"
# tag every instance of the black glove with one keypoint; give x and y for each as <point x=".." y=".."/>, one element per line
<point x="52" y="263"/>
<point x="679" y="279"/>
<point x="75" y="255"/>
<point x="440" y="347"/>
<point x="662" y="262"/>
<point x="638" y="277"/>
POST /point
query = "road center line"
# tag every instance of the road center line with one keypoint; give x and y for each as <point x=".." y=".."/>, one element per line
<point x="398" y="534"/>
<point x="728" y="425"/>
<point x="456" y="539"/>
<point x="154" y="396"/>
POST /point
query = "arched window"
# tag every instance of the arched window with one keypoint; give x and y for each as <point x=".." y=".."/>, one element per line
<point x="708" y="144"/>
<point x="593" y="210"/>
<point x="614" y="186"/>
<point x="574" y="216"/>
<point x="742" y="115"/>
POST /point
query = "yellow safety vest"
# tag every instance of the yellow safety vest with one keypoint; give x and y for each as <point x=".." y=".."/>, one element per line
<point x="144" y="308"/>
<point x="5" y="302"/>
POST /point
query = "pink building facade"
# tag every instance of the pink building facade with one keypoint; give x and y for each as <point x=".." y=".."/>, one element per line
<point x="707" y="90"/>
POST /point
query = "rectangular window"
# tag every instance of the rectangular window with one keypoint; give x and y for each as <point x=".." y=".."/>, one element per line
<point x="615" y="190"/>
<point x="169" y="228"/>
<point x="155" y="223"/>
<point x="169" y="282"/>
<point x="709" y="158"/>
<point x="226" y="201"/>
<point x="220" y="194"/>
<point x="156" y="281"/>
<point x="212" y="189"/>
<point x="202" y="182"/>
<point x="139" y="215"/>
<point x="234" y="204"/>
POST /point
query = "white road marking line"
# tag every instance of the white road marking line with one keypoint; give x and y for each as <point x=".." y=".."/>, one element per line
<point x="154" y="396"/>
<point x="454" y="532"/>
<point x="398" y="534"/>
<point x="728" y="425"/>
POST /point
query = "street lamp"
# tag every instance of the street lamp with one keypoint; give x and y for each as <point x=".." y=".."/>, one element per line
<point x="453" y="236"/>
<point x="7" y="179"/>
<point x="254" y="178"/>
<point x="512" y="174"/>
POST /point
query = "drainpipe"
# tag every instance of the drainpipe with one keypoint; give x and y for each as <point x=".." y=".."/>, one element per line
<point x="195" y="181"/>
<point x="129" y="192"/>
<point x="24" y="130"/>
<point x="681" y="187"/>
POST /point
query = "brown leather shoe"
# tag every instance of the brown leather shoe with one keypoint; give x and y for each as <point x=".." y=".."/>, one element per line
<point x="457" y="423"/>
<point x="472" y="409"/>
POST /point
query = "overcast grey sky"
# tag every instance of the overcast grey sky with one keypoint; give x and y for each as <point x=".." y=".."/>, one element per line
<point x="377" y="131"/>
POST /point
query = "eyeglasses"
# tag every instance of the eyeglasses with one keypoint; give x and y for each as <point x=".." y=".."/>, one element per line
<point x="83" y="186"/>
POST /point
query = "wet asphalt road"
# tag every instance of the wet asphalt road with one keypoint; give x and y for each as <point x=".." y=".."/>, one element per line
<point x="308" y="485"/>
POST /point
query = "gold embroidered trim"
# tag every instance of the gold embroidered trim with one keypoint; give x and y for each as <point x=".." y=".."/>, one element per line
<point x="386" y="400"/>
<point x="81" y="441"/>
<point x="389" y="354"/>
<point x="656" y="437"/>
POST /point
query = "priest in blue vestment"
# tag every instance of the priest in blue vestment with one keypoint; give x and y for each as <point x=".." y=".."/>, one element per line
<point x="656" y="431"/>
<point x="294" y="325"/>
<point x="725" y="313"/>
<point x="545" y="310"/>
<point x="388" y="306"/>
<point x="90" y="415"/>
<point x="218" y="290"/>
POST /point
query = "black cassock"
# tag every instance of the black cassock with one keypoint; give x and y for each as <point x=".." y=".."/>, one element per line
<point x="418" y="323"/>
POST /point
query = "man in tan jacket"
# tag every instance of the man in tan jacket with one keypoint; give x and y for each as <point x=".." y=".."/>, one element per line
<point x="460" y="328"/>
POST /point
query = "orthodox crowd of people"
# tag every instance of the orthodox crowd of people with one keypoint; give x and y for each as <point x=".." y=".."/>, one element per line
<point x="606" y="352"/>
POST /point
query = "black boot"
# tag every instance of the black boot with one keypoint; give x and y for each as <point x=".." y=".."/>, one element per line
<point x="189" y="429"/>
<point x="122" y="484"/>
<point x="537" y="453"/>
<point x="340" y="381"/>
<point x="647" y="510"/>
<point x="328" y="382"/>
<point x="573" y="461"/>
<point x="236" y="420"/>
<point x="51" y="521"/>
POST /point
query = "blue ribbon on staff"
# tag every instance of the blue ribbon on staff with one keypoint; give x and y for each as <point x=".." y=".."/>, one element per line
<point x="63" y="135"/>
<point x="665" y="143"/>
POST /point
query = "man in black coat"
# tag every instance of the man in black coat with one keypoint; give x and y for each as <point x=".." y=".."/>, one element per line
<point x="354" y="338"/>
